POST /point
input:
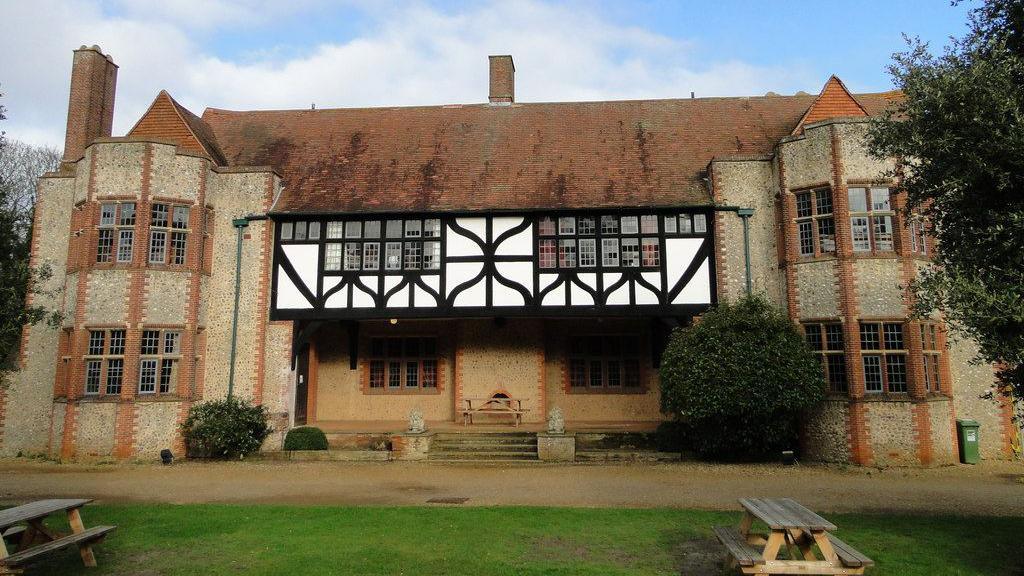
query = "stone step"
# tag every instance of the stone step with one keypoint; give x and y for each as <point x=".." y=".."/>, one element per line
<point x="481" y="447"/>
<point x="491" y="455"/>
<point x="484" y="441"/>
<point x="328" y="455"/>
<point x="626" y="456"/>
<point x="492" y="435"/>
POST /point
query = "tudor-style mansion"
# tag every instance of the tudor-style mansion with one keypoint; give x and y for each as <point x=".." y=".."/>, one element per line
<point x="401" y="258"/>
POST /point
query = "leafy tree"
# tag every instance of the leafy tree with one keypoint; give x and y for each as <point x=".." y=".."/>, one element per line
<point x="959" y="134"/>
<point x="20" y="165"/>
<point x="739" y="378"/>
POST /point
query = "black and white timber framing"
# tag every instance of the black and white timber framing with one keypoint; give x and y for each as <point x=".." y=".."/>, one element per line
<point x="489" y="266"/>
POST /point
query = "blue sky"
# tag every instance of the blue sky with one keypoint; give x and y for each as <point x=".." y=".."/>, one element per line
<point x="247" y="54"/>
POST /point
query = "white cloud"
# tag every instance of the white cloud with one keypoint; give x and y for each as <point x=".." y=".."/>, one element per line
<point x="411" y="54"/>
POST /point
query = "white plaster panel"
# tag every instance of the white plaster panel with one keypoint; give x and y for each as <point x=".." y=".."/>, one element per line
<point x="304" y="258"/>
<point x="424" y="299"/>
<point x="433" y="281"/>
<point x="679" y="253"/>
<point x="390" y="282"/>
<point x="520" y="244"/>
<point x="339" y="299"/>
<point x="459" y="245"/>
<point x="654" y="278"/>
<point x="475" y="295"/>
<point x="556" y="297"/>
<point x="329" y="283"/>
<point x="459" y="273"/>
<point x="502" y="295"/>
<point x="361" y="299"/>
<point x="502" y="224"/>
<point x="288" y="295"/>
<point x="644" y="295"/>
<point x="546" y="280"/>
<point x="580" y="297"/>
<point x="519" y="272"/>
<point x="698" y="289"/>
<point x="399" y="299"/>
<point x="619" y="296"/>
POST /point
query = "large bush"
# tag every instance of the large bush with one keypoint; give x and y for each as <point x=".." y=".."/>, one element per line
<point x="229" y="428"/>
<point x="305" y="438"/>
<point x="739" y="377"/>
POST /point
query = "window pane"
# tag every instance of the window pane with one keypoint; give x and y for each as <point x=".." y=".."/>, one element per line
<point x="377" y="374"/>
<point x="371" y="229"/>
<point x="869" y="339"/>
<point x="614" y="374"/>
<point x="432" y="228"/>
<point x="812" y="334"/>
<point x="412" y="374"/>
<point x="804" y="231"/>
<point x="859" y="233"/>
<point x="115" y="374"/>
<point x="546" y="226"/>
<point x="107" y="214"/>
<point x="150" y="342"/>
<point x="893" y="332"/>
<point x="872" y="374"/>
<point x="700" y="223"/>
<point x="585" y="226"/>
<point x="353" y="229"/>
<point x="566" y="253"/>
<point x="371" y="256"/>
<point x="803" y="204"/>
<point x="685" y="224"/>
<point x="858" y="199"/>
<point x="836" y="372"/>
<point x="896" y="370"/>
<point x="429" y="374"/>
<point x="313" y="232"/>
<point x="286" y="230"/>
<point x="883" y="232"/>
<point x="166" y="374"/>
<point x="147" y="376"/>
<point x="567" y="225"/>
<point x="157" y="247"/>
<point x="577" y="373"/>
<point x="179" y="243"/>
<point x="335" y="230"/>
<point x="180" y="219"/>
<point x="158" y="216"/>
<point x="300" y="230"/>
<point x="546" y="252"/>
<point x="834" y="336"/>
<point x="393" y="255"/>
<point x="651" y="252"/>
<point x="826" y="235"/>
<point x="413" y="228"/>
<point x="823" y="201"/>
<point x="630" y="252"/>
<point x="630" y="225"/>
<point x="588" y="253"/>
<point x="670" y="224"/>
<point x="609" y="225"/>
<point x="124" y="245"/>
<point x="431" y="255"/>
<point x="394" y="374"/>
<point x="413" y="255"/>
<point x="353" y="256"/>
<point x="105" y="246"/>
<point x="332" y="256"/>
<point x="394" y="229"/>
<point x="127" y="214"/>
<point x="609" y="252"/>
<point x="116" y="342"/>
<point x="92" y="377"/>
<point x="880" y="199"/>
<point x="596" y="379"/>
<point x="648" y="224"/>
<point x="172" y="342"/>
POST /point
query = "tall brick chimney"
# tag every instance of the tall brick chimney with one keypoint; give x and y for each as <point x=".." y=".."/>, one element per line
<point x="91" y="104"/>
<point x="503" y="80"/>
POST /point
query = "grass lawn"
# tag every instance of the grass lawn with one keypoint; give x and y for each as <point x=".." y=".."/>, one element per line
<point x="225" y="539"/>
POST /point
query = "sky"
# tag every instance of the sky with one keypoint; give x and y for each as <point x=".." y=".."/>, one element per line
<point x="273" y="54"/>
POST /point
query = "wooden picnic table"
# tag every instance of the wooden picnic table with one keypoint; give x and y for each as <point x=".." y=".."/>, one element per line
<point x="799" y="530"/>
<point x="492" y="405"/>
<point x="24" y="524"/>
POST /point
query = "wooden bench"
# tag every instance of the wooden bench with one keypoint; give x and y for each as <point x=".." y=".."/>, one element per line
<point x="744" y="553"/>
<point x="13" y="534"/>
<point x="849" y="555"/>
<point x="81" y="539"/>
<point x="499" y="406"/>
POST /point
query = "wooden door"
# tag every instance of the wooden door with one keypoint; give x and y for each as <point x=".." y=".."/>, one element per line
<point x="301" y="386"/>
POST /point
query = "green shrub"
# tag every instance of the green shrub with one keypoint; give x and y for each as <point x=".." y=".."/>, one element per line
<point x="672" y="436"/>
<point x="305" y="438"/>
<point x="739" y="378"/>
<point x="229" y="428"/>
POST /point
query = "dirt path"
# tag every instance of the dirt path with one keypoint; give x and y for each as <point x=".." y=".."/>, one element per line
<point x="995" y="488"/>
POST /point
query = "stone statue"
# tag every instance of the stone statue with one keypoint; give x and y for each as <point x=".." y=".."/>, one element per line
<point x="416" y="423"/>
<point x="556" y="422"/>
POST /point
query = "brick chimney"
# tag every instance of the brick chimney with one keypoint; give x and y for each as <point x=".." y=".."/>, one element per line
<point x="91" y="104"/>
<point x="503" y="80"/>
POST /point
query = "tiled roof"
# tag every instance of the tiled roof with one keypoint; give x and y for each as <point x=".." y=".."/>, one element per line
<point x="483" y="157"/>
<point x="165" y="118"/>
<point x="834" y="101"/>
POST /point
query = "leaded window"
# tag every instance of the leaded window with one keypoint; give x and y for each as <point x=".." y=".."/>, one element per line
<point x="931" y="349"/>
<point x="159" y="353"/>
<point x="168" y="234"/>
<point x="884" y="356"/>
<point x="604" y="362"/>
<point x="815" y="224"/>
<point x="403" y="364"/>
<point x="871" y="219"/>
<point x="104" y="361"/>
<point x="117" y="223"/>
<point x="826" y="341"/>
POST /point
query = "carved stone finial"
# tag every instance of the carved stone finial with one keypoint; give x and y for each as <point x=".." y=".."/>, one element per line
<point x="416" y="423"/>
<point x="556" y="421"/>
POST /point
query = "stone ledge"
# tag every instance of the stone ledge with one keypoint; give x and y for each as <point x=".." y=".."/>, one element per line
<point x="326" y="455"/>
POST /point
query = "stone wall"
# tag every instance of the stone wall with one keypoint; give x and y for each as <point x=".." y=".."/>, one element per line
<point x="824" y="433"/>
<point x="971" y="382"/>
<point x="879" y="288"/>
<point x="507" y="359"/>
<point x="817" y="296"/>
<point x="891" y="427"/>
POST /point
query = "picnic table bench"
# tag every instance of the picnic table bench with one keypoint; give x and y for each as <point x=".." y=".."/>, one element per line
<point x="22" y="526"/>
<point x="792" y="525"/>
<point x="492" y="405"/>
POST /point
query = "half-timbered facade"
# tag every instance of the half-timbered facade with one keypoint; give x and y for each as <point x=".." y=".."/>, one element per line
<point x="344" y="267"/>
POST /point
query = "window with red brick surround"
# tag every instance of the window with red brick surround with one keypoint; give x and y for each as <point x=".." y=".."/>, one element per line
<point x="884" y="356"/>
<point x="403" y="364"/>
<point x="931" y="350"/>
<point x="604" y="363"/>
<point x="815" y="224"/>
<point x="104" y="362"/>
<point x="826" y="340"/>
<point x="871" y="219"/>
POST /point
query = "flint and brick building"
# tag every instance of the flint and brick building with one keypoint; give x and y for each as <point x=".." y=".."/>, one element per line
<point x="412" y="257"/>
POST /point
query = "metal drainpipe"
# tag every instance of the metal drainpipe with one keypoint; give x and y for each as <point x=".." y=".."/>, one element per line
<point x="240" y="225"/>
<point x="745" y="214"/>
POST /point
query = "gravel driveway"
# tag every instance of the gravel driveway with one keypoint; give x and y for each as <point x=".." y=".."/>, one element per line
<point x="992" y="488"/>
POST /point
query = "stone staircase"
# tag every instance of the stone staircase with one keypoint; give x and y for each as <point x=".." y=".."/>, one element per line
<point x="483" y="447"/>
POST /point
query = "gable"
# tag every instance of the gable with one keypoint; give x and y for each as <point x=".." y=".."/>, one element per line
<point x="834" y="101"/>
<point x="167" y="119"/>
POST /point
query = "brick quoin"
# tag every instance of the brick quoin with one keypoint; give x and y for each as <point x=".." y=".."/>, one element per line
<point x="788" y="249"/>
<point x="542" y="377"/>
<point x="721" y="266"/>
<point x="263" y="295"/>
<point x="858" y="431"/>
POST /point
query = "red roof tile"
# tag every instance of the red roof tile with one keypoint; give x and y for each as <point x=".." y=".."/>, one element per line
<point x="165" y="118"/>
<point x="476" y="157"/>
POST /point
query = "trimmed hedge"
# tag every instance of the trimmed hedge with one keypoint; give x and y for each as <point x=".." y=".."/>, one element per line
<point x="228" y="428"/>
<point x="739" y="378"/>
<point x="305" y="438"/>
